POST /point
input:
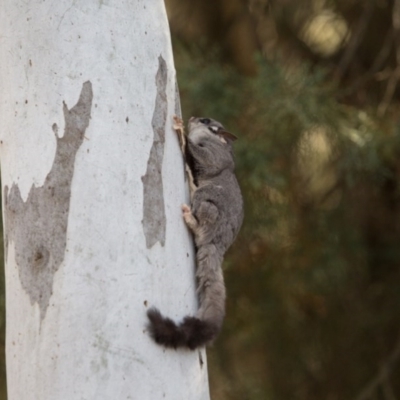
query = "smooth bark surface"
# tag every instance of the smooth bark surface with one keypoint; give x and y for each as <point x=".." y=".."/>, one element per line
<point x="92" y="183"/>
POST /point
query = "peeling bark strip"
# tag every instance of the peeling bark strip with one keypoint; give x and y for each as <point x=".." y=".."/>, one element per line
<point x="153" y="194"/>
<point x="38" y="227"/>
<point x="178" y="110"/>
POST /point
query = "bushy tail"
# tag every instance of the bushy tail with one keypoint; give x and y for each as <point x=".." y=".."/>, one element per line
<point x="192" y="332"/>
<point x="202" y="329"/>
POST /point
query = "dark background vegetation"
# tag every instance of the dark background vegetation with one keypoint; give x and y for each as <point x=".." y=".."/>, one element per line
<point x="311" y="87"/>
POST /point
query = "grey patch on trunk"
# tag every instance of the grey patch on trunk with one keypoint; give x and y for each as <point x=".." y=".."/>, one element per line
<point x="38" y="227"/>
<point x="154" y="221"/>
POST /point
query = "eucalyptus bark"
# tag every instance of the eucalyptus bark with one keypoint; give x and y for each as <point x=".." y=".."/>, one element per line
<point x="92" y="183"/>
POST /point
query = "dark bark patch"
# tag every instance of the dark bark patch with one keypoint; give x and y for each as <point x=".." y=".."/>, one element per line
<point x="201" y="362"/>
<point x="154" y="221"/>
<point x="38" y="227"/>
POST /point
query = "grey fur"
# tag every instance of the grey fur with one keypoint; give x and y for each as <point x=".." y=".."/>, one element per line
<point x="215" y="217"/>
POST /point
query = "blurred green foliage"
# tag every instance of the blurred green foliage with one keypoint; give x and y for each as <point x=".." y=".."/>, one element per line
<point x="312" y="280"/>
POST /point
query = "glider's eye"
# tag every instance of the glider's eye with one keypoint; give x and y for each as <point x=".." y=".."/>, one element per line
<point x="205" y="121"/>
<point x="213" y="129"/>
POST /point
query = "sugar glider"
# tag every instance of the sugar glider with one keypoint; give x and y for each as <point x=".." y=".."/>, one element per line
<point x="214" y="216"/>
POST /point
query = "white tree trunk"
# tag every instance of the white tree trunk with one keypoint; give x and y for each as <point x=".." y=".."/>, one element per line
<point x="92" y="185"/>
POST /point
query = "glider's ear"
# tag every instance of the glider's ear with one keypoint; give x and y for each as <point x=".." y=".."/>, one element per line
<point x="227" y="135"/>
